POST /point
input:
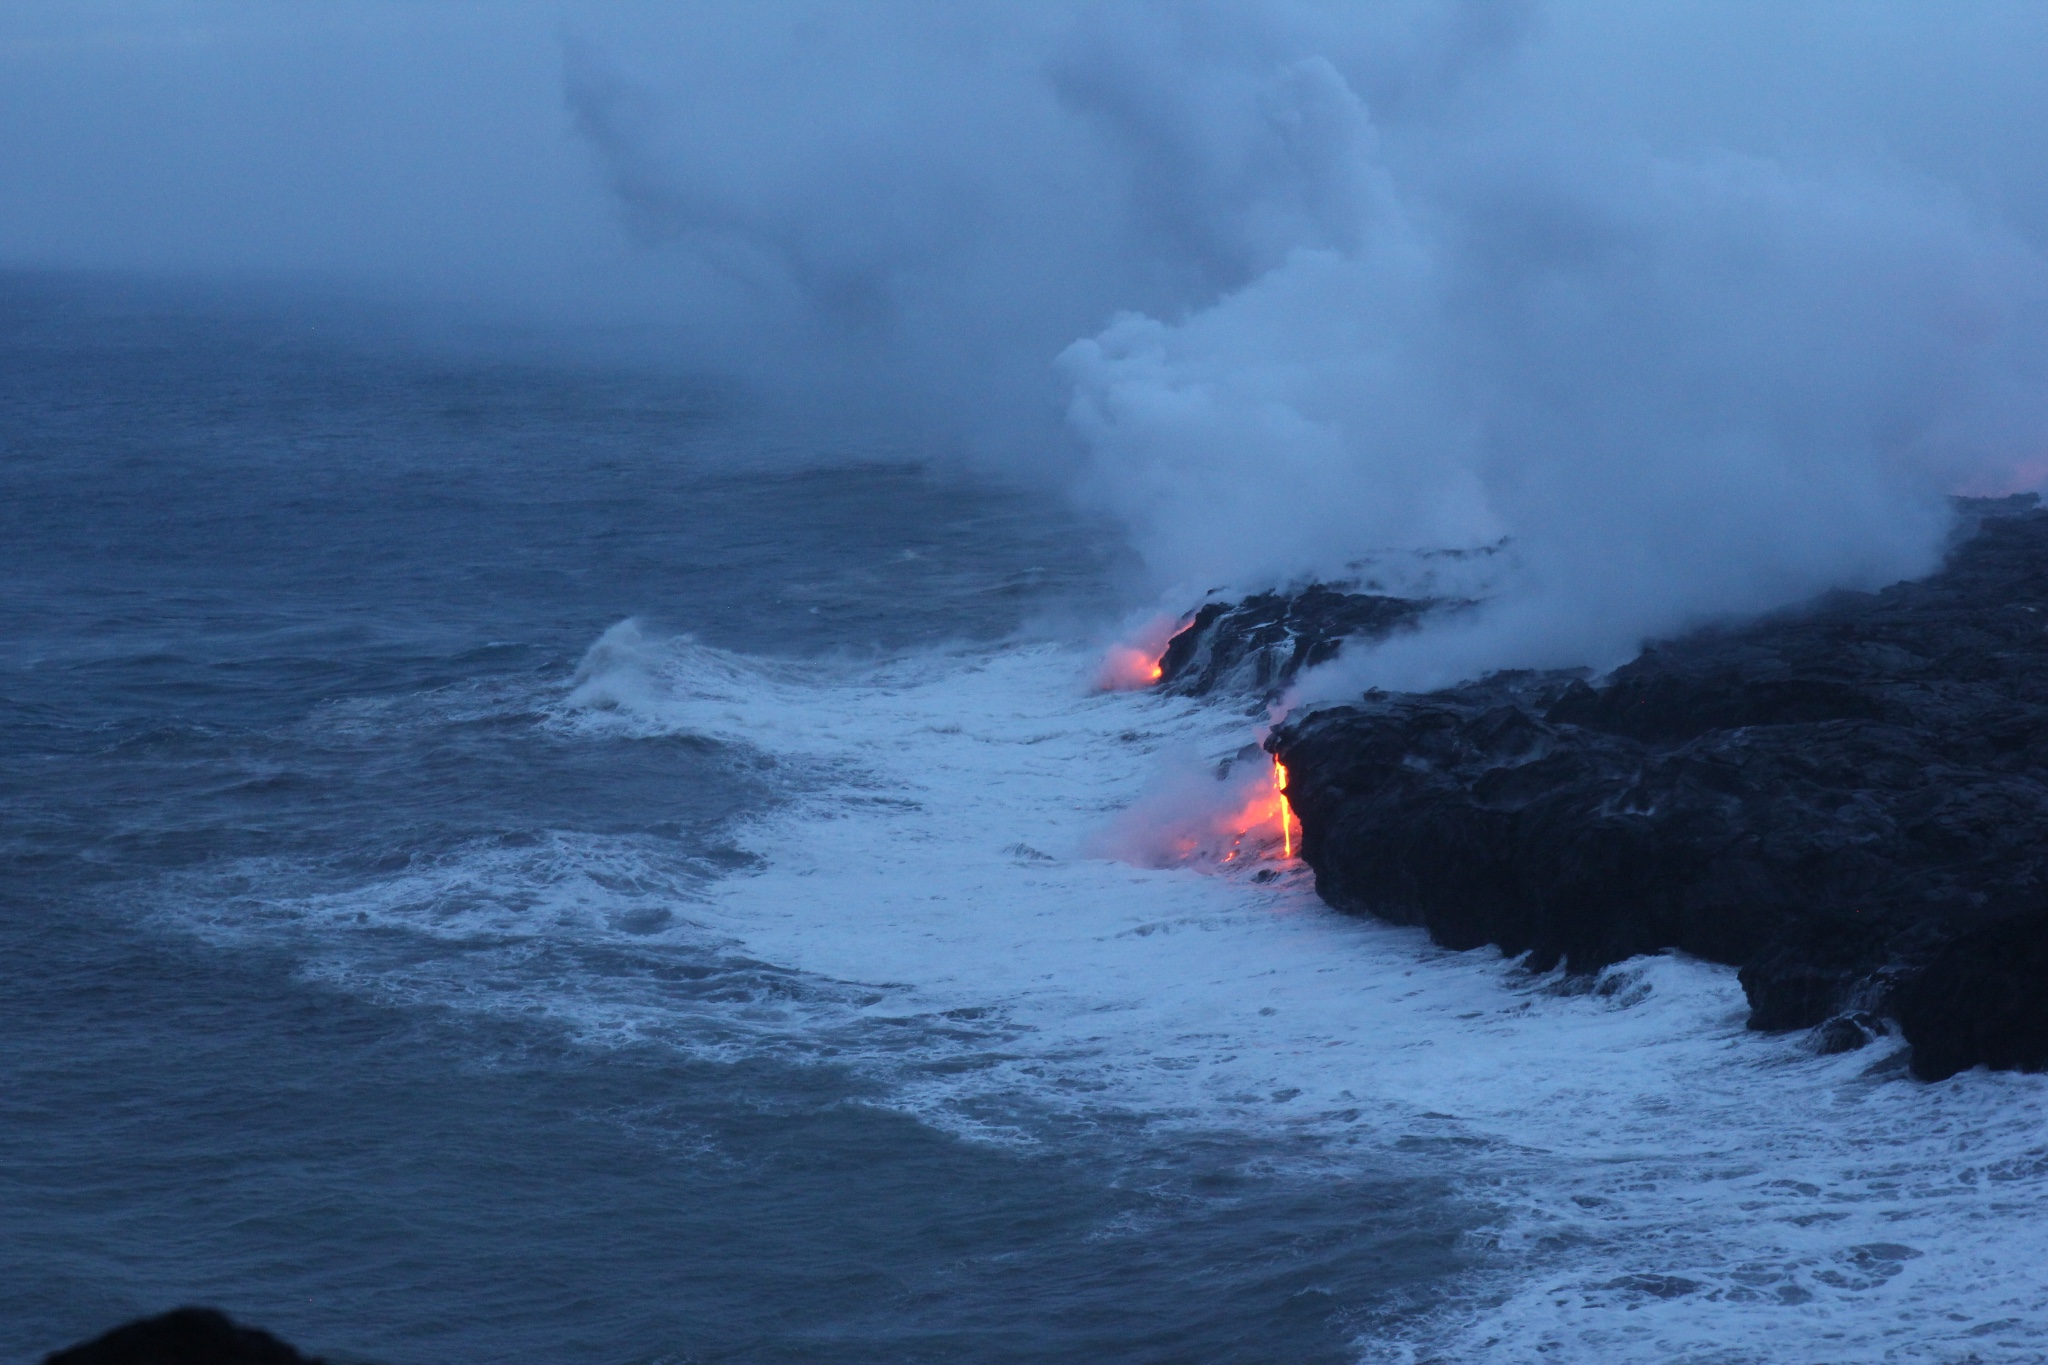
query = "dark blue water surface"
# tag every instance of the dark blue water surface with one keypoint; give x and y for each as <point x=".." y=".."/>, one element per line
<point x="283" y="607"/>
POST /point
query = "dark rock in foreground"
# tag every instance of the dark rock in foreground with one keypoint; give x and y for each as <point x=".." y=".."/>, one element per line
<point x="184" y="1336"/>
<point x="1850" y="804"/>
<point x="1260" y="644"/>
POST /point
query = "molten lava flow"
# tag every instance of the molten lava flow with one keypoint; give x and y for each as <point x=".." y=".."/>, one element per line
<point x="1196" y="816"/>
<point x="1286" y="808"/>
<point x="1266" y="811"/>
<point x="1235" y="814"/>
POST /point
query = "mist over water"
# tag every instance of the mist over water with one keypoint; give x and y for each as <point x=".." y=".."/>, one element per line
<point x="1705" y="308"/>
<point x="1330" y="280"/>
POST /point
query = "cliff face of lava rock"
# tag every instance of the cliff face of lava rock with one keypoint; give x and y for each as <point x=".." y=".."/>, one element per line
<point x="1259" y="645"/>
<point x="1849" y="803"/>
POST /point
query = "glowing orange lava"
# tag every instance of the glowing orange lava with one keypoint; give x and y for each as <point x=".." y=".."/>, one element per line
<point x="1286" y="808"/>
<point x="1210" y="819"/>
<point x="1265" y="813"/>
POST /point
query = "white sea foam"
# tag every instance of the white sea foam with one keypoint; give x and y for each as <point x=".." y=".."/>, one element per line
<point x="1669" y="1185"/>
<point x="1664" y="1185"/>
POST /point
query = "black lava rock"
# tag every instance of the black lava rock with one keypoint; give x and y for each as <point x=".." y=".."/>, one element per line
<point x="1258" y="645"/>
<point x="1840" y="801"/>
<point x="1848" y="1032"/>
<point x="1982" y="1000"/>
<point x="184" y="1336"/>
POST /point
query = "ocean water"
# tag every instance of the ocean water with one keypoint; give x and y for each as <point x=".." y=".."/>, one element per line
<point x="516" y="860"/>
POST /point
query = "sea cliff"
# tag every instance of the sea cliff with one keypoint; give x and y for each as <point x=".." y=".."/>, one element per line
<point x="1847" y="802"/>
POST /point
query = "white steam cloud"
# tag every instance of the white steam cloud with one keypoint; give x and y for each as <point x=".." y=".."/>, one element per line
<point x="1332" y="281"/>
<point x="1685" y="390"/>
<point x="1704" y="307"/>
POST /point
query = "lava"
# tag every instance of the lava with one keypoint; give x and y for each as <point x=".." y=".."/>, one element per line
<point x="1139" y="661"/>
<point x="1286" y="808"/>
<point x="1265" y="813"/>
<point x="1127" y="668"/>
<point x="1194" y="816"/>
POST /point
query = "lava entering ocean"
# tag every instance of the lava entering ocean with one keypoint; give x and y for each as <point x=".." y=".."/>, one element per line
<point x="1127" y="668"/>
<point x="1194" y="817"/>
<point x="1139" y="661"/>
<point x="1194" y="814"/>
<point x="1267" y="811"/>
<point x="1286" y="809"/>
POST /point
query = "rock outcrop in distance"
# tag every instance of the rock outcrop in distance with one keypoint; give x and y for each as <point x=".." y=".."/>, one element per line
<point x="1260" y="645"/>
<point x="1848" y="802"/>
<point x="183" y="1336"/>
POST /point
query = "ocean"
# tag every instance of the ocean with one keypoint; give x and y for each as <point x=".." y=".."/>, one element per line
<point x="526" y="859"/>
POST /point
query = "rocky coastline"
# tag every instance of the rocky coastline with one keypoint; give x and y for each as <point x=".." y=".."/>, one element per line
<point x="1258" y="646"/>
<point x="1847" y="802"/>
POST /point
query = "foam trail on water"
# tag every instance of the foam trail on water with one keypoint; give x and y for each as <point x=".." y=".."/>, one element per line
<point x="1667" y="1184"/>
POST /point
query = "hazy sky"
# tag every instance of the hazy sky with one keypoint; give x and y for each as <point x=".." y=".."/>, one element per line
<point x="1705" y="304"/>
<point x="433" y="135"/>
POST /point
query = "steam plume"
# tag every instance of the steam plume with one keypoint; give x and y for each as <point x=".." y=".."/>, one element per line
<point x="1325" y="283"/>
<point x="1701" y="307"/>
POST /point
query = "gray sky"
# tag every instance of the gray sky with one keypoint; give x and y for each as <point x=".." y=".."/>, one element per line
<point x="401" y="139"/>
<point x="432" y="138"/>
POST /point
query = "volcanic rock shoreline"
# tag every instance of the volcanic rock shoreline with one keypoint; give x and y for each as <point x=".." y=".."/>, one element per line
<point x="1260" y="645"/>
<point x="1849" y="803"/>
